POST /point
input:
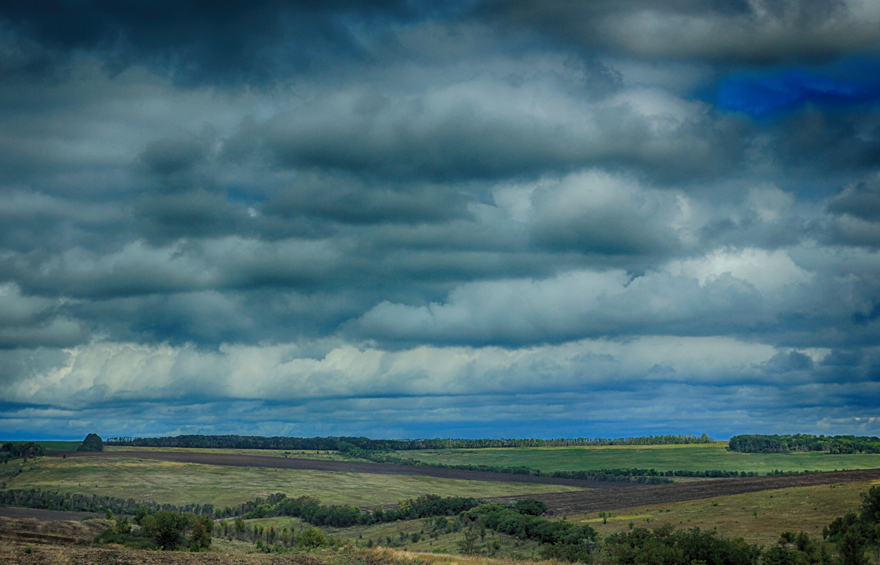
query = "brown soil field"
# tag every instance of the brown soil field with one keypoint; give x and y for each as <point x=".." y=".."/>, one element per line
<point x="559" y="504"/>
<point x="9" y="512"/>
<point x="235" y="460"/>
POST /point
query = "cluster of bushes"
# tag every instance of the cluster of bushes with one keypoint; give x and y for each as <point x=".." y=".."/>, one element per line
<point x="333" y="443"/>
<point x="521" y="519"/>
<point x="45" y="500"/>
<point x="164" y="530"/>
<point x="312" y="511"/>
<point x="855" y="532"/>
<point x="24" y="449"/>
<point x="668" y="546"/>
<point x="803" y="442"/>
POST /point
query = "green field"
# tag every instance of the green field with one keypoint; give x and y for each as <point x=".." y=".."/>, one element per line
<point x="182" y="483"/>
<point x="693" y="457"/>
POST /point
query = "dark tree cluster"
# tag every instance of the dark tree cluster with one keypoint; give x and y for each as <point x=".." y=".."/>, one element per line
<point x="804" y="442"/>
<point x="666" y="545"/>
<point x="561" y="539"/>
<point x="312" y="511"/>
<point x="164" y="529"/>
<point x="93" y="442"/>
<point x="45" y="500"/>
<point x="855" y="532"/>
<point x="25" y="450"/>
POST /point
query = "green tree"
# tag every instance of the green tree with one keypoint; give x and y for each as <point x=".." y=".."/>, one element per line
<point x="166" y="527"/>
<point x="312" y="538"/>
<point x="93" y="442"/>
<point x="200" y="535"/>
<point x="852" y="548"/>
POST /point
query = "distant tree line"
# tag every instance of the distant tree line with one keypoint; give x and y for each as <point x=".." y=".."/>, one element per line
<point x="45" y="500"/>
<point x="803" y="442"/>
<point x="332" y="443"/>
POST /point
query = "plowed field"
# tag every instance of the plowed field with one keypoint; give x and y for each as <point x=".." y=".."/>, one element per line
<point x="613" y="499"/>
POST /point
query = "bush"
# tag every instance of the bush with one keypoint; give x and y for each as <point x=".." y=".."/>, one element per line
<point x="312" y="538"/>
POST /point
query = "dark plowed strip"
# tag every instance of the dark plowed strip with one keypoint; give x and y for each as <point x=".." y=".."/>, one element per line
<point x="234" y="460"/>
<point x="20" y="513"/>
<point x="565" y="503"/>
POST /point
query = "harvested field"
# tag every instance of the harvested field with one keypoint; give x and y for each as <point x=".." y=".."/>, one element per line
<point x="235" y="460"/>
<point x="612" y="499"/>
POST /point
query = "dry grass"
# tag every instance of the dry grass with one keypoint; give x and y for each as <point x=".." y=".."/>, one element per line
<point x="757" y="517"/>
<point x="180" y="483"/>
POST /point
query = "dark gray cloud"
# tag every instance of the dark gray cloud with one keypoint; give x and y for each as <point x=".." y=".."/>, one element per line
<point x="195" y="41"/>
<point x="416" y="218"/>
<point x="762" y="32"/>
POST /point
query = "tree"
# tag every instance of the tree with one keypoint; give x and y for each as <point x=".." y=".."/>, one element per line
<point x="852" y="549"/>
<point x="200" y="535"/>
<point x="93" y="442"/>
<point x="166" y="527"/>
<point x="469" y="543"/>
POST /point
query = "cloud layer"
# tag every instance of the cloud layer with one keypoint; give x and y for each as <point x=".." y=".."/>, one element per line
<point x="439" y="219"/>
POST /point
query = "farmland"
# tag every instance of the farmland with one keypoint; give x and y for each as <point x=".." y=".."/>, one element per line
<point x="699" y="457"/>
<point x="171" y="482"/>
<point x="754" y="508"/>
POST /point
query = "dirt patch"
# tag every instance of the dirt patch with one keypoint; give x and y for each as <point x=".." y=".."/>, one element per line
<point x="46" y="555"/>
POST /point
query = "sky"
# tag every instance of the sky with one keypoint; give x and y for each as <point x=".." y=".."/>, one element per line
<point x="473" y="218"/>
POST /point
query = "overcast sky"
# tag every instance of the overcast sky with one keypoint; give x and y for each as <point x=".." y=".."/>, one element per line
<point x="523" y="218"/>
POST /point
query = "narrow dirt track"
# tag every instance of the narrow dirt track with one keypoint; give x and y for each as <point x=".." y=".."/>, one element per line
<point x="565" y="503"/>
<point x="234" y="460"/>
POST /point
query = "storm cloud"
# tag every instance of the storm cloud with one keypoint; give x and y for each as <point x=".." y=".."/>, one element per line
<point x="406" y="219"/>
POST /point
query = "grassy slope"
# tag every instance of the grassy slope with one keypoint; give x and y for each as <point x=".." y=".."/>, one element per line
<point x="758" y="517"/>
<point x="699" y="457"/>
<point x="180" y="483"/>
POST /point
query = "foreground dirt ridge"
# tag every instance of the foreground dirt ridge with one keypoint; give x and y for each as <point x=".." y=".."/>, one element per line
<point x="14" y="553"/>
